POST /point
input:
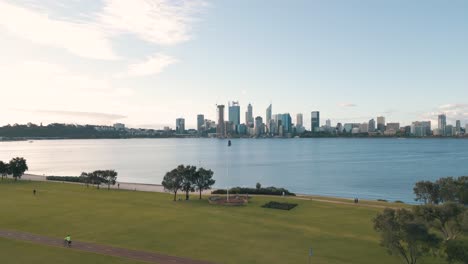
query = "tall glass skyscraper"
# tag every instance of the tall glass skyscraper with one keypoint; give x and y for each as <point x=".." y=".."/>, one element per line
<point x="249" y="116"/>
<point x="200" y="122"/>
<point x="220" y="129"/>
<point x="442" y="124"/>
<point x="268" y="114"/>
<point x="315" y="121"/>
<point x="234" y="113"/>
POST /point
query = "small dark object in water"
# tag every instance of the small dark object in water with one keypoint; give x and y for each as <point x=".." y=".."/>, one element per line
<point x="229" y="143"/>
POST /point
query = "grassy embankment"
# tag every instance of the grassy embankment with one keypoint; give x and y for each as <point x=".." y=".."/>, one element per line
<point x="338" y="233"/>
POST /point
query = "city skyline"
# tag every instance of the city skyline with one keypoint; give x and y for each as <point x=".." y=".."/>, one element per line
<point x="84" y="62"/>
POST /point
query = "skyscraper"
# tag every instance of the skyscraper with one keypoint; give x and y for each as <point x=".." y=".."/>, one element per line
<point x="258" y="125"/>
<point x="315" y="121"/>
<point x="220" y="129"/>
<point x="286" y="122"/>
<point x="200" y="122"/>
<point x="442" y="124"/>
<point x="268" y="114"/>
<point x="328" y="123"/>
<point x="371" y="127"/>
<point x="249" y="116"/>
<point x="457" y="127"/>
<point x="299" y="120"/>
<point x="234" y="113"/>
<point x="180" y="126"/>
<point x="381" y="123"/>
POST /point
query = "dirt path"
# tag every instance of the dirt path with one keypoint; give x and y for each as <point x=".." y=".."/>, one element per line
<point x="100" y="249"/>
<point x="324" y="200"/>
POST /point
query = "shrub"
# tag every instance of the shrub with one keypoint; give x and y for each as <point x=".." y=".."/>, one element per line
<point x="398" y="201"/>
<point x="278" y="205"/>
<point x="264" y="191"/>
<point x="64" y="178"/>
<point x="382" y="200"/>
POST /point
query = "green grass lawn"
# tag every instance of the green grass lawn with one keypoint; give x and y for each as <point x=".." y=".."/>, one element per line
<point x="18" y="252"/>
<point x="194" y="229"/>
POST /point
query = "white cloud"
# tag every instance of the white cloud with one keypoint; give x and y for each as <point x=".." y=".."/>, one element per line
<point x="163" y="22"/>
<point x="82" y="39"/>
<point x="153" y="65"/>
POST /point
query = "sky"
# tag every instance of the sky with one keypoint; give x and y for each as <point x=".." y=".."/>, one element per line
<point x="147" y="62"/>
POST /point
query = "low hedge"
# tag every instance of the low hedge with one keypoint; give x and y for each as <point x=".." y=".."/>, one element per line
<point x="65" y="178"/>
<point x="264" y="191"/>
<point x="278" y="205"/>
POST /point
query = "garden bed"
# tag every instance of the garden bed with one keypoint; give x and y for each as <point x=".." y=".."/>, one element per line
<point x="278" y="205"/>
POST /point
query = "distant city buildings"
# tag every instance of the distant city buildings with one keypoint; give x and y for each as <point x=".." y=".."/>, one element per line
<point x="281" y="125"/>
<point x="119" y="126"/>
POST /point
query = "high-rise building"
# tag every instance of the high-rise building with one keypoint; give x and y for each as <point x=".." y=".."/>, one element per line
<point x="180" y="126"/>
<point x="364" y="128"/>
<point x="234" y="115"/>
<point x="268" y="114"/>
<point x="381" y="123"/>
<point x="220" y="129"/>
<point x="315" y="121"/>
<point x="371" y="126"/>
<point x="258" y="126"/>
<point x="449" y="131"/>
<point x="286" y="123"/>
<point x="200" y="122"/>
<point x="249" y="121"/>
<point x="457" y="127"/>
<point x="328" y="123"/>
<point x="392" y="128"/>
<point x="442" y="123"/>
<point x="299" y="120"/>
<point x="421" y="128"/>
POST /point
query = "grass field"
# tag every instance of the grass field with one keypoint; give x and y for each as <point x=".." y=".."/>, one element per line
<point x="152" y="221"/>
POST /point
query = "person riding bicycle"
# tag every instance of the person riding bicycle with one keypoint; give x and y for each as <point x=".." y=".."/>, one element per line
<point x="68" y="240"/>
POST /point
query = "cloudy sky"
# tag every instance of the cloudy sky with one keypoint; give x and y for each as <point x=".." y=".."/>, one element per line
<point x="147" y="62"/>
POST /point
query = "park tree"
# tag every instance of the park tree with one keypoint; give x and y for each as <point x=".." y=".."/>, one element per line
<point x="457" y="251"/>
<point x="462" y="190"/>
<point x="189" y="173"/>
<point x="203" y="180"/>
<point x="85" y="178"/>
<point x="447" y="189"/>
<point x="258" y="186"/>
<point x="173" y="182"/>
<point x="448" y="218"/>
<point x="109" y="177"/>
<point x="404" y="235"/>
<point x="17" y="166"/>
<point x="426" y="192"/>
<point x="4" y="170"/>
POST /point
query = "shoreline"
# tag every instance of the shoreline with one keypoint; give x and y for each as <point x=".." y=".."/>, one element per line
<point x="147" y="187"/>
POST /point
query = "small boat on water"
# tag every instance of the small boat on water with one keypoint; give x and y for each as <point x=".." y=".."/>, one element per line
<point x="229" y="143"/>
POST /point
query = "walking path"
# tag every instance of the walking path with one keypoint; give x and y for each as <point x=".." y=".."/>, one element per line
<point x="100" y="249"/>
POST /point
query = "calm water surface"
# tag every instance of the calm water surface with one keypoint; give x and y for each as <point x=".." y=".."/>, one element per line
<point x="365" y="168"/>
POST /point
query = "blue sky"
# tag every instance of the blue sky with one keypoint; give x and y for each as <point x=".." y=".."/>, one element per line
<point x="147" y="62"/>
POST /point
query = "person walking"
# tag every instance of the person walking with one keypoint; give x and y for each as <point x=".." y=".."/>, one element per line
<point x="34" y="192"/>
<point x="68" y="240"/>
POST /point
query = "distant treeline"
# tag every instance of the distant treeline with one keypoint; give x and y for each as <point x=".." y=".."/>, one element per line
<point x="258" y="190"/>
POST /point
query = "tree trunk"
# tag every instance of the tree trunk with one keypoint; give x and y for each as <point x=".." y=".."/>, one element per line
<point x="175" y="195"/>
<point x="108" y="186"/>
<point x="186" y="195"/>
<point x="200" y="193"/>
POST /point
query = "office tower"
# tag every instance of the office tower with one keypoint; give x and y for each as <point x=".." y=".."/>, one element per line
<point x="457" y="127"/>
<point x="119" y="126"/>
<point x="315" y="121"/>
<point x="200" y="122"/>
<point x="449" y="131"/>
<point x="392" y="128"/>
<point x="381" y="124"/>
<point x="258" y="126"/>
<point x="421" y="128"/>
<point x="268" y="114"/>
<point x="220" y="129"/>
<point x="234" y="116"/>
<point x="442" y="124"/>
<point x="339" y="128"/>
<point x="364" y="128"/>
<point x="249" y="116"/>
<point x="299" y="120"/>
<point x="328" y="123"/>
<point x="234" y="113"/>
<point x="286" y="123"/>
<point x="180" y="126"/>
<point x="371" y="126"/>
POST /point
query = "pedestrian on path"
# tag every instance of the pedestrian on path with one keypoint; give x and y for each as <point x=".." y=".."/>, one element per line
<point x="34" y="192"/>
<point x="68" y="240"/>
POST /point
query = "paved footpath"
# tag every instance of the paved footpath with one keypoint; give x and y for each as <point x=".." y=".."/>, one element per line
<point x="100" y="249"/>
